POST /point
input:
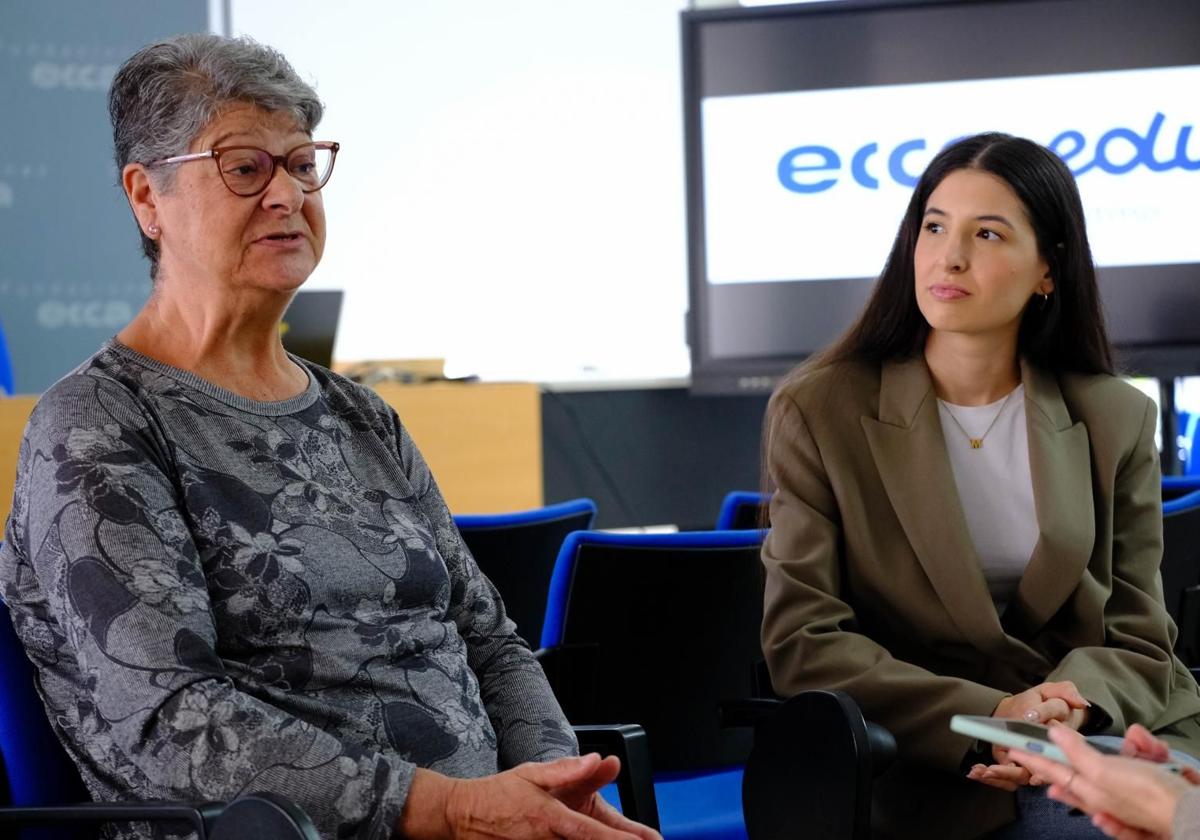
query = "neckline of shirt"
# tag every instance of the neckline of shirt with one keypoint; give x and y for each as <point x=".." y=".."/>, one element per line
<point x="1015" y="394"/>
<point x="272" y="408"/>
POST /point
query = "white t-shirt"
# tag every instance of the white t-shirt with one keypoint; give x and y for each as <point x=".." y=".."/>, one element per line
<point x="995" y="487"/>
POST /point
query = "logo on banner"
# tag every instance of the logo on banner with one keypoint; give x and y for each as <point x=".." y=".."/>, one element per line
<point x="49" y="75"/>
<point x="96" y="314"/>
<point x="814" y="168"/>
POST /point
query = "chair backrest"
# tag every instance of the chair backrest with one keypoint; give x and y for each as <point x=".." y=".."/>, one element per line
<point x="1176" y="486"/>
<point x="6" y="373"/>
<point x="1187" y="501"/>
<point x="36" y="771"/>
<point x="672" y="623"/>
<point x="1181" y="572"/>
<point x="742" y="509"/>
<point x="517" y="552"/>
<point x="1189" y="431"/>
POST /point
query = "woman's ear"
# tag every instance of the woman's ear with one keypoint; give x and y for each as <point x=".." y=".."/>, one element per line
<point x="141" y="194"/>
<point x="1046" y="287"/>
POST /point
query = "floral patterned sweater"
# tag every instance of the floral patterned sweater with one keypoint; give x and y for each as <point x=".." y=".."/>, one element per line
<point x="221" y="595"/>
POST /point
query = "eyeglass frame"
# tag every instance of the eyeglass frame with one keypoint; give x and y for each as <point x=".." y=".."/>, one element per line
<point x="216" y="152"/>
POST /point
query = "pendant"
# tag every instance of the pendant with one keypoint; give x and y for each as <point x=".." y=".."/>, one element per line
<point x="976" y="443"/>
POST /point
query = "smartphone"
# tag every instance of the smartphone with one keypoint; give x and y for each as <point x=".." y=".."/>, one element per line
<point x="1029" y="737"/>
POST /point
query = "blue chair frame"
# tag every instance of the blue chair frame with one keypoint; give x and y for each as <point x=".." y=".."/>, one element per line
<point x="734" y="505"/>
<point x="6" y="372"/>
<point x="1181" y="503"/>
<point x="472" y="521"/>
<point x="1189" y="431"/>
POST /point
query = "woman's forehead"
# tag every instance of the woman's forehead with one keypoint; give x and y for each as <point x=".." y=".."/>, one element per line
<point x="249" y="122"/>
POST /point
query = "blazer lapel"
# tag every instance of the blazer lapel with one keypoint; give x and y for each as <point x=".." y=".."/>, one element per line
<point x="909" y="449"/>
<point x="1060" y="463"/>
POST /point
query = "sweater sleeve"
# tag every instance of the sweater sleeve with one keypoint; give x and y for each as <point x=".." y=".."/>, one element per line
<point x="1186" y="825"/>
<point x="529" y="723"/>
<point x="811" y="636"/>
<point x="108" y="593"/>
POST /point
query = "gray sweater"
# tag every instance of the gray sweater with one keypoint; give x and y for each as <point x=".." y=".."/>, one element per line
<point x="222" y="595"/>
<point x="1187" y="817"/>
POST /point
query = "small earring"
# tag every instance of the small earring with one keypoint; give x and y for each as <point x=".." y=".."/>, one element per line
<point x="1045" y="297"/>
<point x="153" y="229"/>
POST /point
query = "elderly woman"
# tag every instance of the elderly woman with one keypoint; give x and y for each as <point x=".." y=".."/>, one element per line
<point x="232" y="568"/>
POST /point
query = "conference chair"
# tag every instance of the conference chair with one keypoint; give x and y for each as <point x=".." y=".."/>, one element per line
<point x="741" y="509"/>
<point x="517" y="552"/>
<point x="6" y="373"/>
<point x="39" y="785"/>
<point x="1181" y="572"/>
<point x="663" y="630"/>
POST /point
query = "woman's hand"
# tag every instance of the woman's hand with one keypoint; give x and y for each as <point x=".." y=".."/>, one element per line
<point x="1128" y="798"/>
<point x="1140" y="743"/>
<point x="533" y="801"/>
<point x="1060" y="701"/>
<point x="1048" y="703"/>
<point x="583" y="796"/>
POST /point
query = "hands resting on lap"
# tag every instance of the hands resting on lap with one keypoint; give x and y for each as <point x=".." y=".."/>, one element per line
<point x="1052" y="704"/>
<point x="529" y="802"/>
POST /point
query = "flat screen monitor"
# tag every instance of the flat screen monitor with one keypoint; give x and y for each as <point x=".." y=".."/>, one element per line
<point x="309" y="326"/>
<point x="807" y="127"/>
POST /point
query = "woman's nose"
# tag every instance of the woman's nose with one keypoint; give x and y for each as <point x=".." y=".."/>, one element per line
<point x="954" y="257"/>
<point x="283" y="191"/>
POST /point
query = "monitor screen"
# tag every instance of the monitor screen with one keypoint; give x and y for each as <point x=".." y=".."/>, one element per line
<point x="807" y="127"/>
<point x="309" y="326"/>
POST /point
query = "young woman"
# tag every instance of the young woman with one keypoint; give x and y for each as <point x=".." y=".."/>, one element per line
<point x="966" y="515"/>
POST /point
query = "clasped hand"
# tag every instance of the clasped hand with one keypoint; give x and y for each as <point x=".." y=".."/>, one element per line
<point x="529" y="802"/>
<point x="1052" y="704"/>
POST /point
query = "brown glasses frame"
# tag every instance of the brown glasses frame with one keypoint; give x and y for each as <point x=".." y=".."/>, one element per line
<point x="276" y="160"/>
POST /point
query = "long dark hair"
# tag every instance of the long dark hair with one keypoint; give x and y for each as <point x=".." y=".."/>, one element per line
<point x="1065" y="333"/>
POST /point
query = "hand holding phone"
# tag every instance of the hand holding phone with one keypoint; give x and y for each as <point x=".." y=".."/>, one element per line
<point x="1022" y="735"/>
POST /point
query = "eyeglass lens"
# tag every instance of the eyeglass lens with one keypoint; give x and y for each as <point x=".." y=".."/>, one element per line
<point x="247" y="171"/>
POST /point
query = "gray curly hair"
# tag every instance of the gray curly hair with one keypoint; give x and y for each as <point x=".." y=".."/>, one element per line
<point x="167" y="93"/>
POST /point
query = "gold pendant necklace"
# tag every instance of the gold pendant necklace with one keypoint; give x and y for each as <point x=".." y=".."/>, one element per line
<point x="977" y="442"/>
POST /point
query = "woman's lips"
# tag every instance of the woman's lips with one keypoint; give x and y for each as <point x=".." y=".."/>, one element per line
<point x="294" y="240"/>
<point x="945" y="291"/>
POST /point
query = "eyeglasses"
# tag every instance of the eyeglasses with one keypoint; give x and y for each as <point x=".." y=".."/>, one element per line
<point x="247" y="170"/>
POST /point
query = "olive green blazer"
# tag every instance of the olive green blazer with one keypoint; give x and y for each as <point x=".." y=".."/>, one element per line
<point x="873" y="585"/>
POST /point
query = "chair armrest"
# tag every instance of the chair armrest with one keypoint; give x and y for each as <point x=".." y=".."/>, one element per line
<point x="249" y="817"/>
<point x="635" y="784"/>
<point x="198" y="817"/>
<point x="813" y="764"/>
<point x="751" y="712"/>
<point x="882" y="747"/>
<point x="263" y="814"/>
